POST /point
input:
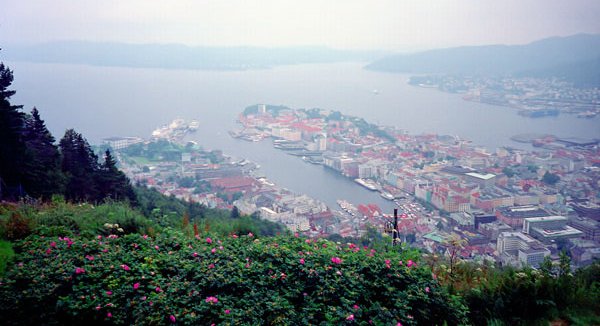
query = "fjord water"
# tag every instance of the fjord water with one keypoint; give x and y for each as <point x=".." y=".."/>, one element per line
<point x="111" y="101"/>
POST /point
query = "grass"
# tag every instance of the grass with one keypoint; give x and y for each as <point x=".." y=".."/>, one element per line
<point x="140" y="160"/>
<point x="6" y="255"/>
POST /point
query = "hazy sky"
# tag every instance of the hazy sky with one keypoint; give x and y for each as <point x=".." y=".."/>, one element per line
<point x="391" y="25"/>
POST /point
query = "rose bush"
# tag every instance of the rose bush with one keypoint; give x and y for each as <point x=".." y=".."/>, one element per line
<point x="174" y="279"/>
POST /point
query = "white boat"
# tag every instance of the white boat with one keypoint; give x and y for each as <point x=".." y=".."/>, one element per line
<point x="387" y="195"/>
<point x="367" y="184"/>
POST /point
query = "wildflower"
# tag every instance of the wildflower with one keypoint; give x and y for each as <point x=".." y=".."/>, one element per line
<point x="98" y="307"/>
<point x="156" y="247"/>
<point x="410" y="263"/>
<point x="108" y="315"/>
<point x="427" y="289"/>
<point x="53" y="244"/>
<point x="79" y="270"/>
<point x="108" y="292"/>
<point x="99" y="237"/>
<point x="211" y="300"/>
<point x="296" y="234"/>
<point x="250" y="234"/>
<point x="136" y="286"/>
<point x="195" y="254"/>
<point x="172" y="318"/>
<point x="158" y="289"/>
<point x="213" y="250"/>
<point x="400" y="263"/>
<point x="355" y="307"/>
<point x="125" y="267"/>
<point x="350" y="317"/>
<point x="399" y="324"/>
<point x="301" y="261"/>
<point x="89" y="257"/>
<point x="211" y="266"/>
<point x="227" y="311"/>
<point x="235" y="236"/>
<point x="208" y="240"/>
<point x="145" y="236"/>
<point x="336" y="260"/>
<point x="48" y="251"/>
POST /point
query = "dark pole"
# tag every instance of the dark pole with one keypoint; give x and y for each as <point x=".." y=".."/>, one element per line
<point x="395" y="230"/>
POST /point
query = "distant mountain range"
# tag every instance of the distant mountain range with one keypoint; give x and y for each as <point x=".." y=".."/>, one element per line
<point x="576" y="58"/>
<point x="177" y="56"/>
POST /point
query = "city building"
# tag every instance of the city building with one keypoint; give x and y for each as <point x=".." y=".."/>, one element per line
<point x="550" y="228"/>
<point x="514" y="216"/>
<point x="589" y="227"/>
<point x="516" y="248"/>
<point x="117" y="143"/>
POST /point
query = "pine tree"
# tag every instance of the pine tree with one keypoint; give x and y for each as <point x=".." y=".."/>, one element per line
<point x="12" y="147"/>
<point x="42" y="174"/>
<point x="80" y="166"/>
<point x="112" y="182"/>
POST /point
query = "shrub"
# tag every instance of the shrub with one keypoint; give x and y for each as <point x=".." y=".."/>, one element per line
<point x="17" y="227"/>
<point x="134" y="279"/>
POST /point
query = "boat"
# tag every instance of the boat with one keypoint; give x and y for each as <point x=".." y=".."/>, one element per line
<point x="194" y="125"/>
<point x="367" y="184"/>
<point x="386" y="195"/>
<point x="587" y="114"/>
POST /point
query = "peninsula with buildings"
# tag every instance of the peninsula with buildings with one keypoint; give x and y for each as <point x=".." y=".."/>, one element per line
<point x="532" y="97"/>
<point x="512" y="206"/>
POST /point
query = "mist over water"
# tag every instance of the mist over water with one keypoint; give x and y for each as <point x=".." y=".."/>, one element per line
<point x="106" y="101"/>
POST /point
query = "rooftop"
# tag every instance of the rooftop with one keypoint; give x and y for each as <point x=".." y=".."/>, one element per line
<point x="481" y="176"/>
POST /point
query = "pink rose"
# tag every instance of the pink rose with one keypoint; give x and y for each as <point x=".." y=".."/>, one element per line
<point x="211" y="300"/>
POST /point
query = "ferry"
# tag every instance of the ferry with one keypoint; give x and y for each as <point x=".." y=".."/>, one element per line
<point x="367" y="184"/>
<point x="194" y="125"/>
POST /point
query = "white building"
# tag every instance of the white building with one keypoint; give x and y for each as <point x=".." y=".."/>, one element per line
<point x="516" y="248"/>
